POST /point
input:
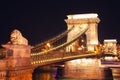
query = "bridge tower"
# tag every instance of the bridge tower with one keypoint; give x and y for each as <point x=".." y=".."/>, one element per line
<point x="91" y="20"/>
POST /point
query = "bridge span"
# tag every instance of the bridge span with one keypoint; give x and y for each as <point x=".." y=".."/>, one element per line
<point x="21" y="59"/>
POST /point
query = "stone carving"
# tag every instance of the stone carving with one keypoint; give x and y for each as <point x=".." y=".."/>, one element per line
<point x="17" y="38"/>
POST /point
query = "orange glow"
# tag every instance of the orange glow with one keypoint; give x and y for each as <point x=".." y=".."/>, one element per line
<point x="111" y="58"/>
<point x="82" y="46"/>
<point x="82" y="40"/>
<point x="48" y="44"/>
<point x="91" y="48"/>
<point x="110" y="46"/>
<point x="83" y="61"/>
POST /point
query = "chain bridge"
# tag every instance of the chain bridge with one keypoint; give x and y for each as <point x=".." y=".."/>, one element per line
<point x="21" y="59"/>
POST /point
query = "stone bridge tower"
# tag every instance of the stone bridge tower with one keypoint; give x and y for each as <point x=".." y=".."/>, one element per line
<point x="90" y="20"/>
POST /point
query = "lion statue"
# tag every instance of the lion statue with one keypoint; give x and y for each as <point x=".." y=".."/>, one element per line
<point x="17" y="38"/>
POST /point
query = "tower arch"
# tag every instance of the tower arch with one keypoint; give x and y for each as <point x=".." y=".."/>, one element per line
<point x="91" y="20"/>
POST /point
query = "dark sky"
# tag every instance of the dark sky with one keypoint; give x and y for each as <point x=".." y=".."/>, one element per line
<point x="40" y="20"/>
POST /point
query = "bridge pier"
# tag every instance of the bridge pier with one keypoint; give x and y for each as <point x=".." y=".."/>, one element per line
<point x="86" y="68"/>
<point x="17" y="64"/>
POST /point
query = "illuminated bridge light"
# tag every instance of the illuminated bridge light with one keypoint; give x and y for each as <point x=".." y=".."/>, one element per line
<point x="31" y="62"/>
<point x="48" y="44"/>
<point x="34" y="62"/>
<point x="37" y="54"/>
<point x="38" y="62"/>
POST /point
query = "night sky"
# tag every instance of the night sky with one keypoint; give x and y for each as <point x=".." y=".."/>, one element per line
<point x="40" y="20"/>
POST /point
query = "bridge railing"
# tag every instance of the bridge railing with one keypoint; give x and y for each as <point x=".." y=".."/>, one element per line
<point x="57" y="56"/>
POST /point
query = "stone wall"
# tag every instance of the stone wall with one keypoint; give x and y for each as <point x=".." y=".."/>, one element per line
<point x="85" y="68"/>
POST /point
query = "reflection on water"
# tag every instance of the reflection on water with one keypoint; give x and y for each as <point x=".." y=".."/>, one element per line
<point x="44" y="73"/>
<point x="44" y="76"/>
<point x="48" y="73"/>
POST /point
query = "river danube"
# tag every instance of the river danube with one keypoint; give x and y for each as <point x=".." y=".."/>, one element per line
<point x="57" y="73"/>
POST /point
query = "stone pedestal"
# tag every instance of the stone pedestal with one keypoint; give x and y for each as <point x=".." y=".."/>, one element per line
<point x="2" y="74"/>
<point x="20" y="74"/>
<point x="18" y="62"/>
<point x="3" y="69"/>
